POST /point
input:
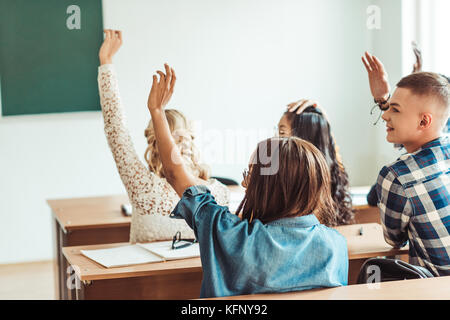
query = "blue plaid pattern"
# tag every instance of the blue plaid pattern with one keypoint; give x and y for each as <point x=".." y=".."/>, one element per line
<point x="447" y="127"/>
<point x="414" y="202"/>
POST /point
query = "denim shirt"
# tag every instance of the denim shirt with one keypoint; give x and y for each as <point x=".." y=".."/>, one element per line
<point x="238" y="257"/>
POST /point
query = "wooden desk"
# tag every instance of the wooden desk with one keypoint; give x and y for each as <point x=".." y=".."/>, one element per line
<point x="416" y="289"/>
<point x="89" y="221"/>
<point x="369" y="245"/>
<point x="84" y="221"/>
<point x="367" y="214"/>
<point x="181" y="279"/>
<point x="363" y="212"/>
<point x="98" y="220"/>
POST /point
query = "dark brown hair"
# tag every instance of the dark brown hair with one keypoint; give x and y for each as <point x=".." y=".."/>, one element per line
<point x="427" y="83"/>
<point x="312" y="126"/>
<point x="288" y="177"/>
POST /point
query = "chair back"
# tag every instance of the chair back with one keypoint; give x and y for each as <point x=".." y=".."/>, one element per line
<point x="390" y="270"/>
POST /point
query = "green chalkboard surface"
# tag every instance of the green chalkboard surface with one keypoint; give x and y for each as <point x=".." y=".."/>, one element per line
<point x="49" y="55"/>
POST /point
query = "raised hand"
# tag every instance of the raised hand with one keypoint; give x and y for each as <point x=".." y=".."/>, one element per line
<point x="176" y="174"/>
<point x="110" y="45"/>
<point x="300" y="105"/>
<point x="162" y="90"/>
<point x="378" y="77"/>
<point x="417" y="67"/>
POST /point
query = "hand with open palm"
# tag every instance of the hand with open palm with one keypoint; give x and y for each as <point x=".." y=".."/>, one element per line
<point x="162" y="89"/>
<point x="378" y="77"/>
<point x="110" y="45"/>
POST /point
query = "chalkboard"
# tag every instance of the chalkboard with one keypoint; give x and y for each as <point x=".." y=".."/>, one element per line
<point x="49" y="55"/>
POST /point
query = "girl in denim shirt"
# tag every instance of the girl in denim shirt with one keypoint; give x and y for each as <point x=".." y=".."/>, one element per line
<point x="280" y="243"/>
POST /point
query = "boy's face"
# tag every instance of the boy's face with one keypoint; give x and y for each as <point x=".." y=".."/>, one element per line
<point x="404" y="116"/>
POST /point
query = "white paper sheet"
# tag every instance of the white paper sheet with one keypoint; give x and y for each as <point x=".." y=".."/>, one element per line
<point x="164" y="249"/>
<point x="121" y="256"/>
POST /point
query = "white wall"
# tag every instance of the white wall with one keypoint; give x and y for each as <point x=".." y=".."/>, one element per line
<point x="238" y="64"/>
<point x="388" y="46"/>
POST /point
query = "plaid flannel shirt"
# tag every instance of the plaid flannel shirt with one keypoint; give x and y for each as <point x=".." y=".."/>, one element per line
<point x="414" y="202"/>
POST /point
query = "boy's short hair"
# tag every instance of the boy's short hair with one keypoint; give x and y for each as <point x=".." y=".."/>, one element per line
<point x="427" y="83"/>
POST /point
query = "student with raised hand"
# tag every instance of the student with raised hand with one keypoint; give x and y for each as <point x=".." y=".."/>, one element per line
<point x="380" y="89"/>
<point x="281" y="243"/>
<point x="414" y="191"/>
<point x="307" y="120"/>
<point x="151" y="196"/>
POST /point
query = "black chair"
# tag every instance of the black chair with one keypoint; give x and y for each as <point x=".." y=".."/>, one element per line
<point x="226" y="181"/>
<point x="390" y="270"/>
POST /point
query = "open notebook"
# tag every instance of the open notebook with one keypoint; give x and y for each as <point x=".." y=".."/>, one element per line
<point x="140" y="253"/>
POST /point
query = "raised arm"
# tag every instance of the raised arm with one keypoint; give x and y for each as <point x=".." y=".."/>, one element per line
<point x="176" y="174"/>
<point x="417" y="66"/>
<point x="137" y="179"/>
<point x="378" y="78"/>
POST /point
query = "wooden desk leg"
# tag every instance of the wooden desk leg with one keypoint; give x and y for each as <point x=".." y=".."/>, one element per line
<point x="57" y="254"/>
<point x="79" y="292"/>
<point x="72" y="282"/>
<point x="64" y="266"/>
<point x="60" y="266"/>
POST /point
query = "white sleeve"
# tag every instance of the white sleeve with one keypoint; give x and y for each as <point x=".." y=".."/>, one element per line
<point x="139" y="182"/>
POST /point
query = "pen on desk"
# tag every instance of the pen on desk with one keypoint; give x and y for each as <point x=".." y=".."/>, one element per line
<point x="361" y="231"/>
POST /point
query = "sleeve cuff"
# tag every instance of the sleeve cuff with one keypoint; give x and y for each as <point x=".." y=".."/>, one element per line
<point x="190" y="192"/>
<point x="195" y="190"/>
<point x="108" y="66"/>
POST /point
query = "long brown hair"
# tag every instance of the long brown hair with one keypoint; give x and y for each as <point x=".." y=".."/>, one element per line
<point x="312" y="126"/>
<point x="288" y="177"/>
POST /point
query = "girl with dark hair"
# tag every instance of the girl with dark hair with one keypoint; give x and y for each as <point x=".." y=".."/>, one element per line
<point x="310" y="124"/>
<point x="281" y="243"/>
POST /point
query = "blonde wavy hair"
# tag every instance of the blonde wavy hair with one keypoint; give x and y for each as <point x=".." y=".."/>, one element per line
<point x="183" y="135"/>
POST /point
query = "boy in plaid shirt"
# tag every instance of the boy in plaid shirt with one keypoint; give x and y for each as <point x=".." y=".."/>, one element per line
<point x="414" y="191"/>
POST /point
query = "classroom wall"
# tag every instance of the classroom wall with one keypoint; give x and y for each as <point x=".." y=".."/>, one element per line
<point x="391" y="48"/>
<point x="238" y="64"/>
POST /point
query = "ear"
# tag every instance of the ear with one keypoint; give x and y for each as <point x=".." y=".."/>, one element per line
<point x="426" y="120"/>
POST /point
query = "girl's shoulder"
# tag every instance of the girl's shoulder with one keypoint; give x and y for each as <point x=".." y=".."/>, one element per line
<point x="332" y="234"/>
